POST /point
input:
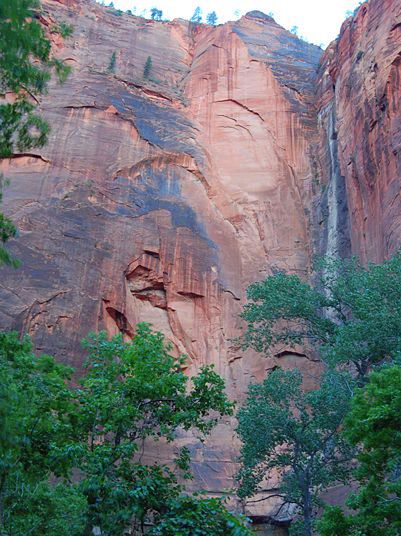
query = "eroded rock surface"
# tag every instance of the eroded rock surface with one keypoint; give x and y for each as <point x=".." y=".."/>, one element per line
<point x="162" y="199"/>
<point x="360" y="80"/>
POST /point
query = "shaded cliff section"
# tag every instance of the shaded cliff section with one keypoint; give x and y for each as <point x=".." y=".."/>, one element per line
<point x="359" y="87"/>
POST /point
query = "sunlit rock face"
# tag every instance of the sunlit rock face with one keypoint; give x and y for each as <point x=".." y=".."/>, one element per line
<point x="161" y="199"/>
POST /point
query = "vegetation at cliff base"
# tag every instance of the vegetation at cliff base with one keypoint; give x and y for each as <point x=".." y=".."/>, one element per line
<point x="346" y="430"/>
<point x="37" y="429"/>
<point x="190" y="516"/>
<point x="283" y="428"/>
<point x="352" y="316"/>
<point x="71" y="457"/>
<point x="373" y="426"/>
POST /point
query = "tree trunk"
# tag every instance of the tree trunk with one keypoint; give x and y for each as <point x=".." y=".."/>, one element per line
<point x="307" y="513"/>
<point x="307" y="525"/>
<point x="2" y="485"/>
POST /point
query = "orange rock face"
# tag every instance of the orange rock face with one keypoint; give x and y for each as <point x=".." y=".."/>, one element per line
<point x="161" y="199"/>
<point x="360" y="75"/>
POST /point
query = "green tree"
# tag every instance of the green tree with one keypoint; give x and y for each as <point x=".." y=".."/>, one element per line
<point x="133" y="394"/>
<point x="352" y="315"/>
<point x="112" y="64"/>
<point x="156" y="14"/>
<point x="197" y="16"/>
<point x="148" y="67"/>
<point x="7" y="231"/>
<point x="189" y="516"/>
<point x="26" y="64"/>
<point x="36" y="431"/>
<point x="283" y="428"/>
<point x="136" y="392"/>
<point x="211" y="18"/>
<point x="374" y="426"/>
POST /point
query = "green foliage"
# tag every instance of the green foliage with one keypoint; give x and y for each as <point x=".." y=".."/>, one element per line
<point x="197" y="16"/>
<point x="25" y="69"/>
<point x="193" y="516"/>
<point x="7" y="231"/>
<point x="374" y="425"/>
<point x="26" y="65"/>
<point x="283" y="428"/>
<point x="132" y="394"/>
<point x="36" y="429"/>
<point x="42" y="508"/>
<point x="65" y="29"/>
<point x="211" y="18"/>
<point x="112" y="64"/>
<point x="148" y="67"/>
<point x="156" y="14"/>
<point x="352" y="316"/>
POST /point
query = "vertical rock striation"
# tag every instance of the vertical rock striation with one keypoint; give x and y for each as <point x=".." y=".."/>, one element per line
<point x="360" y="80"/>
<point x="160" y="198"/>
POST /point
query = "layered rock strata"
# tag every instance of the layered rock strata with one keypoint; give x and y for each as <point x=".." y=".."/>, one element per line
<point x="160" y="198"/>
<point x="359" y="85"/>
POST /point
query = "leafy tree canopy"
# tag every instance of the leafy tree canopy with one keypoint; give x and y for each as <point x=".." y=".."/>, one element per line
<point x="352" y="315"/>
<point x="26" y="64"/>
<point x="374" y="426"/>
<point x="131" y="395"/>
<point x="199" y="517"/>
<point x="7" y="231"/>
<point x="283" y="428"/>
<point x="36" y="430"/>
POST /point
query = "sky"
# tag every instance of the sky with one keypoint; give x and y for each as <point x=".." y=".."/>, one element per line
<point x="318" y="21"/>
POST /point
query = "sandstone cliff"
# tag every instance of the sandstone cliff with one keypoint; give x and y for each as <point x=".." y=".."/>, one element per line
<point x="359" y="86"/>
<point x="160" y="199"/>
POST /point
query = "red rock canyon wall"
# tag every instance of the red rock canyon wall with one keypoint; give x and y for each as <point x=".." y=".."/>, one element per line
<point x="160" y="200"/>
